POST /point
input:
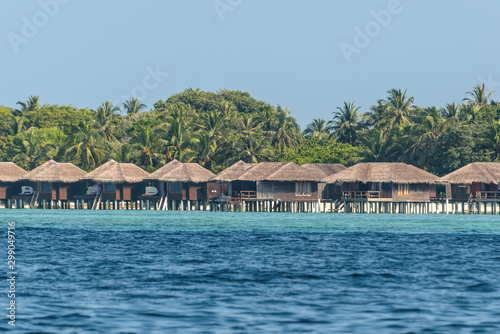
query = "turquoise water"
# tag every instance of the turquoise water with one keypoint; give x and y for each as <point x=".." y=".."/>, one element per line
<point x="205" y="272"/>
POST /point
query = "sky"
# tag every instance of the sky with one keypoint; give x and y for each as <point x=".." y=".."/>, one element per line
<point x="308" y="56"/>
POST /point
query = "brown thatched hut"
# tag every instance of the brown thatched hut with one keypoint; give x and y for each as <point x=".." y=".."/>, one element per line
<point x="284" y="181"/>
<point x="56" y="181"/>
<point x="10" y="177"/>
<point x="119" y="181"/>
<point x="385" y="181"/>
<point x="228" y="180"/>
<point x="326" y="170"/>
<point x="477" y="180"/>
<point x="182" y="181"/>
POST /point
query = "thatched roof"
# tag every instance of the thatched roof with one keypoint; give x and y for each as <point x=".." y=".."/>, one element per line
<point x="480" y="172"/>
<point x="324" y="170"/>
<point x="52" y="171"/>
<point x="233" y="172"/>
<point x="115" y="172"/>
<point x="176" y="171"/>
<point x="395" y="172"/>
<point x="260" y="171"/>
<point x="290" y="172"/>
<point x="267" y="171"/>
<point x="10" y="172"/>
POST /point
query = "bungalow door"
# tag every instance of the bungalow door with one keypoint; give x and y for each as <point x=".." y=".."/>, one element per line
<point x="265" y="190"/>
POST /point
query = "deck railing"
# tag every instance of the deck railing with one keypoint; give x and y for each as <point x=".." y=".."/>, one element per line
<point x="361" y="194"/>
<point x="244" y="194"/>
<point x="488" y="195"/>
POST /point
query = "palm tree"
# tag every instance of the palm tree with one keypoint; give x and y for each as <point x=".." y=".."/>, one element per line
<point x="317" y="128"/>
<point x="32" y="151"/>
<point x="377" y="147"/>
<point x="429" y="126"/>
<point x="32" y="104"/>
<point x="179" y="141"/>
<point x="145" y="147"/>
<point x="452" y="112"/>
<point x="212" y="123"/>
<point x="206" y="150"/>
<point x="87" y="145"/>
<point x="492" y="139"/>
<point x="346" y="123"/>
<point x="105" y="112"/>
<point x="471" y="112"/>
<point x="375" y="115"/>
<point x="478" y="96"/>
<point x="133" y="106"/>
<point x="255" y="148"/>
<point x="105" y="115"/>
<point x="398" y="108"/>
<point x="421" y="136"/>
<point x="247" y="125"/>
<point x="267" y="117"/>
<point x="285" y="131"/>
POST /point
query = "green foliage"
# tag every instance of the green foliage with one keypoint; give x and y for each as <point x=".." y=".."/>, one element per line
<point x="217" y="129"/>
<point x="457" y="146"/>
<point x="316" y="150"/>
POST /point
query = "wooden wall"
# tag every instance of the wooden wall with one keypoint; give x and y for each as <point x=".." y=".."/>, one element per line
<point x="285" y="191"/>
<point x="419" y="192"/>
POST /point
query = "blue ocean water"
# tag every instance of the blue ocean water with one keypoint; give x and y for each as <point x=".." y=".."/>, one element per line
<point x="203" y="272"/>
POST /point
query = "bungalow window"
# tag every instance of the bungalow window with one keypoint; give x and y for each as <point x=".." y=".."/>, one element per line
<point x="109" y="187"/>
<point x="463" y="189"/>
<point x="45" y="187"/>
<point x="302" y="188"/>
<point x="175" y="187"/>
<point x="404" y="189"/>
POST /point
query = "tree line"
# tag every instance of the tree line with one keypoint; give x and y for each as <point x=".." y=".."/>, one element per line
<point x="217" y="129"/>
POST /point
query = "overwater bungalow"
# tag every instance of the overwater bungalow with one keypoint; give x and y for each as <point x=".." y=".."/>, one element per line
<point x="384" y="182"/>
<point x="116" y="184"/>
<point x="267" y="185"/>
<point x="54" y="184"/>
<point x="10" y="177"/>
<point x="183" y="184"/>
<point x="230" y="186"/>
<point x="329" y="191"/>
<point x="476" y="181"/>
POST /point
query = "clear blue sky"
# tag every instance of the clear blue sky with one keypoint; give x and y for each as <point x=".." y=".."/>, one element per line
<point x="284" y="52"/>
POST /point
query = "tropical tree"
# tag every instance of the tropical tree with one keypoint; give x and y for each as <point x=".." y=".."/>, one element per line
<point x="255" y="148"/>
<point x="285" y="131"/>
<point x="247" y="125"/>
<point x="317" y="128"/>
<point x="346" y="123"/>
<point x="145" y="147"/>
<point x="179" y="135"/>
<point x="87" y="145"/>
<point x="32" y="104"/>
<point x="478" y="96"/>
<point x="452" y="112"/>
<point x="133" y="106"/>
<point x="377" y="146"/>
<point x="398" y="109"/>
<point x="492" y="139"/>
<point x="206" y="150"/>
<point x="31" y="150"/>
<point x="105" y="115"/>
<point x="429" y="125"/>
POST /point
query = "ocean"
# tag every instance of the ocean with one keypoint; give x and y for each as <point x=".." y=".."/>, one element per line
<point x="213" y="272"/>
